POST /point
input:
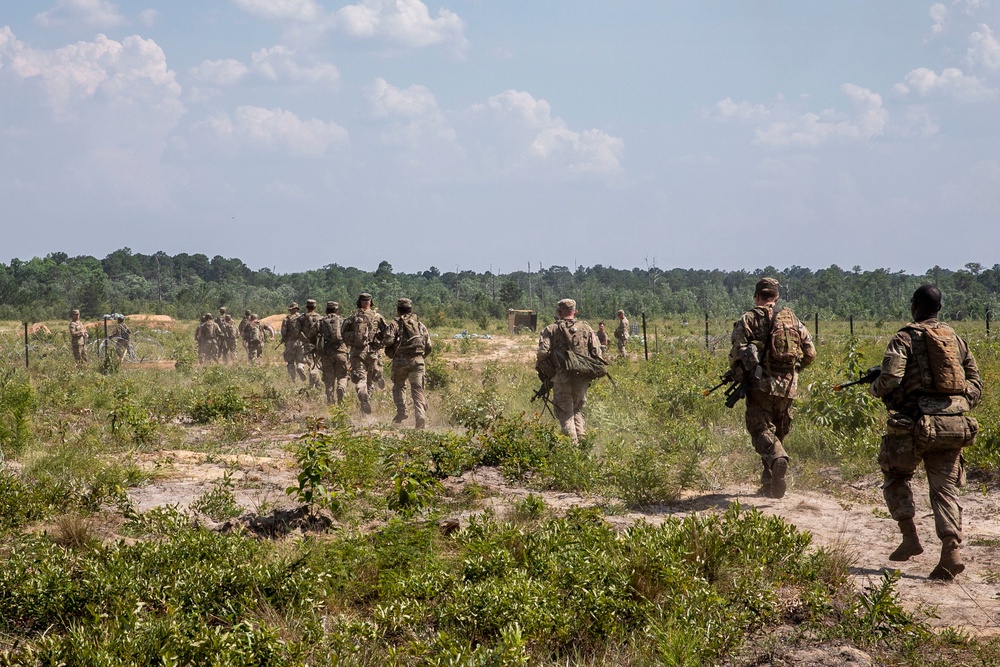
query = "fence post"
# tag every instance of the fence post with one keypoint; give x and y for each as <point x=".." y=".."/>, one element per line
<point x="645" y="340"/>
<point x="989" y="313"/>
<point x="706" y="332"/>
<point x="852" y="326"/>
<point x="26" y="345"/>
<point x="816" y="325"/>
<point x="656" y="341"/>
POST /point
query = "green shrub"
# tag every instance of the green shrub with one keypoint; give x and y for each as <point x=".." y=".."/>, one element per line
<point x="17" y="405"/>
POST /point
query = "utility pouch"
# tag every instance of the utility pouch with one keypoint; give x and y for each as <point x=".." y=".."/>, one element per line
<point x="943" y="405"/>
<point x="935" y="432"/>
<point x="898" y="444"/>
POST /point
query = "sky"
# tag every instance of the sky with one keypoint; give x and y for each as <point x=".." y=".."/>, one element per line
<point x="491" y="135"/>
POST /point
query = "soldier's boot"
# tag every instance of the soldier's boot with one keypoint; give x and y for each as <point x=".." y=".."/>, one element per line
<point x="910" y="546"/>
<point x="779" y="470"/>
<point x="366" y="405"/>
<point x="400" y="416"/>
<point x="951" y="563"/>
<point x="765" y="481"/>
<point x="421" y="423"/>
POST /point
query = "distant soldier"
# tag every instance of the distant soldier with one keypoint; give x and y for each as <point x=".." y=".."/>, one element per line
<point x="253" y="338"/>
<point x="622" y="332"/>
<point x="247" y="315"/>
<point x="569" y="390"/>
<point x="122" y="337"/>
<point x="332" y="353"/>
<point x="362" y="333"/>
<point x="78" y="337"/>
<point x="407" y="343"/>
<point x="227" y="343"/>
<point x="293" y="354"/>
<point x="603" y="338"/>
<point x="207" y="335"/>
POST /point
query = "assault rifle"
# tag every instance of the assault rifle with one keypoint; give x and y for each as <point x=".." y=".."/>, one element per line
<point x="734" y="392"/>
<point x="543" y="392"/>
<point x="870" y="376"/>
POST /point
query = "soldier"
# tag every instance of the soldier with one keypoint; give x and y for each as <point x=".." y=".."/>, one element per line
<point x="332" y="353"/>
<point x="622" y="333"/>
<point x="207" y="335"/>
<point x="362" y="333"/>
<point x="247" y="316"/>
<point x="407" y="343"/>
<point x="603" y="338"/>
<point x="227" y="343"/>
<point x="78" y="336"/>
<point x="769" y="348"/>
<point x="928" y="380"/>
<point x="293" y="354"/>
<point x="253" y="338"/>
<point x="122" y="336"/>
<point x="569" y="391"/>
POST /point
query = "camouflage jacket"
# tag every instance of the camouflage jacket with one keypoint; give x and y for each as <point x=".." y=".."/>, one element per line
<point x="207" y="331"/>
<point x="749" y="340"/>
<point x="562" y="335"/>
<point x="364" y="330"/>
<point x="78" y="332"/>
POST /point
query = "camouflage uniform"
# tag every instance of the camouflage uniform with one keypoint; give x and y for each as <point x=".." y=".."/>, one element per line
<point x="247" y="317"/>
<point x="905" y="380"/>
<point x="603" y="338"/>
<point x="622" y="332"/>
<point x="253" y="339"/>
<point x="362" y="334"/>
<point x="122" y="336"/>
<point x="308" y="333"/>
<point x="408" y="352"/>
<point x="227" y="343"/>
<point x="771" y="389"/>
<point x="207" y="335"/>
<point x="332" y="353"/>
<point x="291" y="338"/>
<point x="569" y="392"/>
<point x="78" y="337"/>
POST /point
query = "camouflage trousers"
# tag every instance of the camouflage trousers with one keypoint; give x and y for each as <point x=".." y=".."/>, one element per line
<point x="569" y="397"/>
<point x="208" y="351"/>
<point x="255" y="350"/>
<point x="227" y="349"/>
<point x="768" y="421"/>
<point x="334" y="370"/>
<point x="898" y="458"/>
<point x="295" y="360"/>
<point x="80" y="351"/>
<point x="409" y="370"/>
<point x="365" y="370"/>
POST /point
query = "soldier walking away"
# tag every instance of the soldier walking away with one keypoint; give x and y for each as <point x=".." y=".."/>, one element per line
<point x="769" y="348"/>
<point x="407" y="343"/>
<point x="227" y="343"/>
<point x="247" y="315"/>
<point x="78" y="336"/>
<point x="308" y="333"/>
<point x="928" y="381"/>
<point x="332" y="353"/>
<point x="622" y="333"/>
<point x="253" y="338"/>
<point x="293" y="354"/>
<point x="569" y="388"/>
<point x="207" y="336"/>
<point x="603" y="338"/>
<point x="362" y="333"/>
<point x="122" y="336"/>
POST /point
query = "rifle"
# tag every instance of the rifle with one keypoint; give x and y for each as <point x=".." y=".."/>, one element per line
<point x="870" y="376"/>
<point x="734" y="392"/>
<point x="543" y="393"/>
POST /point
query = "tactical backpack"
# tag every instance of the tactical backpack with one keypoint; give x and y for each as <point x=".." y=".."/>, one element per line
<point x="330" y="338"/>
<point x="577" y="358"/>
<point x="941" y="367"/>
<point x="410" y="338"/>
<point x="784" y="341"/>
<point x="253" y="333"/>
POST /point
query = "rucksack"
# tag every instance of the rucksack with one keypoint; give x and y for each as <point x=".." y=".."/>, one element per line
<point x="578" y="359"/>
<point x="784" y="341"/>
<point x="329" y="338"/>
<point x="253" y="333"/>
<point x="410" y="338"/>
<point x="947" y="375"/>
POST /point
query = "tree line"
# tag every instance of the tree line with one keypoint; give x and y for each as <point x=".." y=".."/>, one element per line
<point x="185" y="286"/>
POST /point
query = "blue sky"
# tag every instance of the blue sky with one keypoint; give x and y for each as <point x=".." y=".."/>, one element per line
<point x="479" y="135"/>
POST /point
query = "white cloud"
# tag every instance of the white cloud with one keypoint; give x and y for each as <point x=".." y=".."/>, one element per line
<point x="131" y="73"/>
<point x="303" y="11"/>
<point x="404" y="22"/>
<point x="744" y="111"/>
<point x="812" y="130"/>
<point x="275" y="130"/>
<point x="950" y="83"/>
<point x="279" y="63"/>
<point x="984" y="49"/>
<point x="939" y="16"/>
<point x="387" y="100"/>
<point x="148" y="17"/>
<point x="539" y="135"/>
<point x="97" y="14"/>
<point x="219" y="72"/>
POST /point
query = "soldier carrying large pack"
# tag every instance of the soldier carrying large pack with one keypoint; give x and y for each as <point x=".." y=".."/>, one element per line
<point x="293" y="354"/>
<point x="407" y="343"/>
<point x="362" y="333"/>
<point x="332" y="353"/>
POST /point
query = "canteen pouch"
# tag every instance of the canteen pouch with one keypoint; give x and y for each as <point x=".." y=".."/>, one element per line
<point x="945" y="431"/>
